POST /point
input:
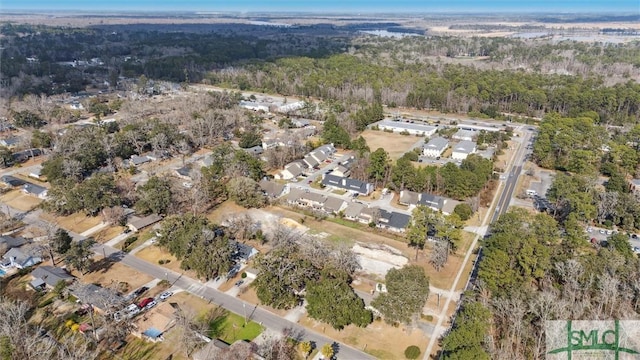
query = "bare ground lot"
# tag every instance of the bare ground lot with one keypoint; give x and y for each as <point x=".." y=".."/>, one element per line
<point x="76" y="222"/>
<point x="378" y="339"/>
<point x="395" y="144"/>
<point x="154" y="253"/>
<point x="109" y="274"/>
<point x="19" y="200"/>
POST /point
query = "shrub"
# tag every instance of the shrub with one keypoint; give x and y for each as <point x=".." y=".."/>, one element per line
<point x="244" y="275"/>
<point x="464" y="211"/>
<point x="412" y="352"/>
<point x="46" y="302"/>
<point x="161" y="261"/>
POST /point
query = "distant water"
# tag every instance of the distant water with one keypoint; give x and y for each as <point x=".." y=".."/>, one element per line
<point x="385" y="33"/>
<point x="267" y="23"/>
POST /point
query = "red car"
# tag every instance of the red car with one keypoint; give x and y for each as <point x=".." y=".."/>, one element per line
<point x="145" y="302"/>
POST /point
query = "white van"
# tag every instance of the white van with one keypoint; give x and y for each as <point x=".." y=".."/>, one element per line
<point x="531" y="192"/>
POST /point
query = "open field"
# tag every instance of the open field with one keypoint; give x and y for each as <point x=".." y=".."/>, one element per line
<point x="19" y="200"/>
<point x="394" y="144"/>
<point x="107" y="234"/>
<point x="76" y="222"/>
<point x="154" y="253"/>
<point x="109" y="273"/>
<point x="378" y="339"/>
<point x="223" y="210"/>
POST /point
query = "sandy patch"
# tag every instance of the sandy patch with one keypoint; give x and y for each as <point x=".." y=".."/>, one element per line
<point x="378" y="259"/>
<point x="19" y="200"/>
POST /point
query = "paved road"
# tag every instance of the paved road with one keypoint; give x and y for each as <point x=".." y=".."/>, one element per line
<point x="230" y="303"/>
<point x="512" y="178"/>
<point x="238" y="306"/>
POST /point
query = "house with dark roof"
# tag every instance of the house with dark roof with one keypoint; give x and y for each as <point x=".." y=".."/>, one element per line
<point x="35" y="190"/>
<point x="353" y="185"/>
<point x="393" y="221"/>
<point x="11" y="142"/>
<point x="242" y="252"/>
<point x="298" y="122"/>
<point x="12" y="181"/>
<point x="19" y="258"/>
<point x="183" y="172"/>
<point x="137" y="223"/>
<point x="49" y="276"/>
<point x="255" y="151"/>
<point x="434" y="202"/>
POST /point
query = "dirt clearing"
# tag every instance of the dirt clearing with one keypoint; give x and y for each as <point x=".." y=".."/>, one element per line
<point x="394" y="144"/>
<point x="19" y="200"/>
<point x="76" y="222"/>
<point x="378" y="339"/>
<point x="110" y="274"/>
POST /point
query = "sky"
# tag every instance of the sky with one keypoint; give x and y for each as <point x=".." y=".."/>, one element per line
<point x="357" y="6"/>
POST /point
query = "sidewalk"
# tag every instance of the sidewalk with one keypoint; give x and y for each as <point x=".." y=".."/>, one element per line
<point x="95" y="229"/>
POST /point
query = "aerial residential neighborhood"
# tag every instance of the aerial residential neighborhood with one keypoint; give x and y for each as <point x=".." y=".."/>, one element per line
<point x="247" y="185"/>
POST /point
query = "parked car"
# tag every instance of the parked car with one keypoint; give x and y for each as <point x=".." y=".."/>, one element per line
<point x="140" y="291"/>
<point x="636" y="250"/>
<point x="589" y="229"/>
<point x="609" y="232"/>
<point x="602" y="231"/>
<point x="634" y="236"/>
<point x="151" y="304"/>
<point x="165" y="295"/>
<point x="131" y="308"/>
<point x="145" y="302"/>
<point x="239" y="282"/>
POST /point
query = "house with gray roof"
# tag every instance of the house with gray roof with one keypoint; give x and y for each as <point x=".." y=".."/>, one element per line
<point x="36" y="172"/>
<point x="464" y="134"/>
<point x="273" y="189"/>
<point x="137" y="223"/>
<point x="35" y="190"/>
<point x="353" y="210"/>
<point x="49" y="276"/>
<point x="435" y="147"/>
<point x="299" y="123"/>
<point x="291" y="171"/>
<point x="255" y="151"/>
<point x="463" y="149"/>
<point x="353" y="185"/>
<point x="312" y="200"/>
<point x="369" y="215"/>
<point x="10" y="242"/>
<point x="136" y="160"/>
<point x="99" y="298"/>
<point x="334" y="205"/>
<point x="19" y="258"/>
<point x="393" y="220"/>
<point x="311" y="161"/>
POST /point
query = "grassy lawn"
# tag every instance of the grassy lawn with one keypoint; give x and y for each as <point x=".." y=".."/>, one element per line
<point x="395" y="144"/>
<point x="339" y="192"/>
<point x="231" y="328"/>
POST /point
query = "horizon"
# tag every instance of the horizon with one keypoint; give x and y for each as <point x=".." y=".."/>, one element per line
<point x="622" y="7"/>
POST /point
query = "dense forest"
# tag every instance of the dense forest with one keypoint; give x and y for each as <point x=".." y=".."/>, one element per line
<point x="500" y="76"/>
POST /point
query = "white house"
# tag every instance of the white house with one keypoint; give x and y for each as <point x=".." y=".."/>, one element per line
<point x="463" y="134"/>
<point x="254" y="106"/>
<point x="406" y="126"/>
<point x="463" y="149"/>
<point x="435" y="147"/>
<point x="35" y="190"/>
